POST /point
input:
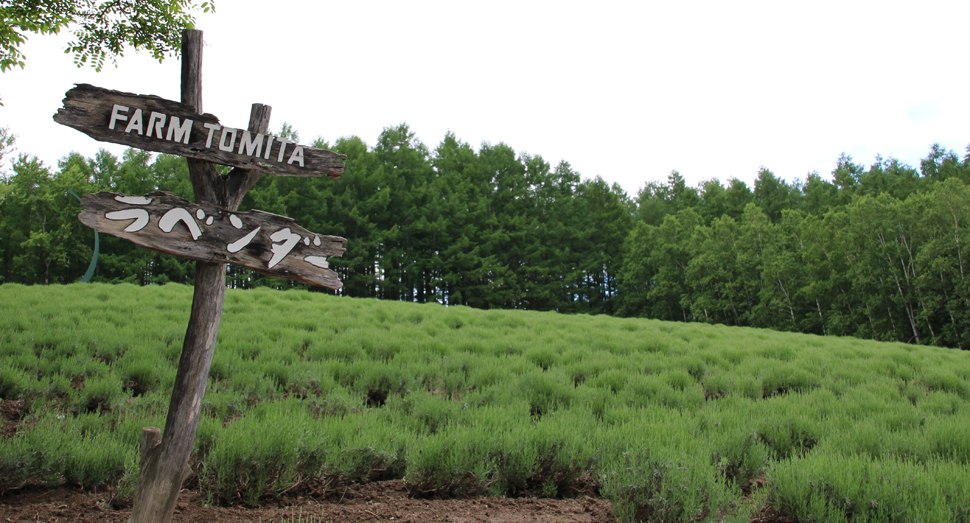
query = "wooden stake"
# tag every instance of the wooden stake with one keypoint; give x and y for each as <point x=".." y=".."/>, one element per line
<point x="165" y="466"/>
<point x="151" y="437"/>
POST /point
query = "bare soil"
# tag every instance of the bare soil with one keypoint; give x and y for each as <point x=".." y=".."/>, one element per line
<point x="11" y="412"/>
<point x="371" y="502"/>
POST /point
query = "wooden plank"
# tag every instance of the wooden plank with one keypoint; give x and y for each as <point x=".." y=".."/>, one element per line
<point x="156" y="124"/>
<point x="164" y="466"/>
<point x="160" y="221"/>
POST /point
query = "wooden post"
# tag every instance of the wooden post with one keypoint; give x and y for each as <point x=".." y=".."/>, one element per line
<point x="164" y="466"/>
<point x="285" y="250"/>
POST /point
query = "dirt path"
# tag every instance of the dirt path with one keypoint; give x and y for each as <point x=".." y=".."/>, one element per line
<point x="382" y="501"/>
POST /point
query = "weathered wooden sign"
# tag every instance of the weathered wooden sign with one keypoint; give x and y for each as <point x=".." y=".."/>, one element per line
<point x="164" y="126"/>
<point x="268" y="243"/>
<point x="209" y="231"/>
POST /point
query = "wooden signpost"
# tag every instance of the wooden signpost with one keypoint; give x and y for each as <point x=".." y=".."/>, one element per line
<point x="210" y="231"/>
<point x="265" y="242"/>
<point x="164" y="126"/>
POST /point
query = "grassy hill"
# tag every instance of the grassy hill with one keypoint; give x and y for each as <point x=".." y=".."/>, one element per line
<point x="672" y="422"/>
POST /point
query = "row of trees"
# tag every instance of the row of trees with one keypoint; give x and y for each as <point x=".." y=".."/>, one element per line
<point x="486" y="228"/>
<point x="873" y="252"/>
<point x="878" y="267"/>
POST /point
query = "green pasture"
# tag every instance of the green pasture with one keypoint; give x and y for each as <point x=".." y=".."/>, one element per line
<point x="670" y="421"/>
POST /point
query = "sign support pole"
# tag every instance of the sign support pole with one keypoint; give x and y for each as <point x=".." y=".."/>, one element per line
<point x="213" y="234"/>
<point x="165" y="464"/>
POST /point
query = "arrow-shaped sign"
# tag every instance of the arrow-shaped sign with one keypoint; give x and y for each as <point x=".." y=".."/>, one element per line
<point x="271" y="244"/>
<point x="164" y="126"/>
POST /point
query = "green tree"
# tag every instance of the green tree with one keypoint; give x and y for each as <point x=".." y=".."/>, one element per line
<point x="355" y="203"/>
<point x="42" y="240"/>
<point x="847" y="175"/>
<point x="657" y="200"/>
<point x="942" y="164"/>
<point x="656" y="268"/>
<point x="602" y="216"/>
<point x="737" y="196"/>
<point x="713" y="269"/>
<point x="507" y="225"/>
<point x="713" y="200"/>
<point x="943" y="215"/>
<point x="890" y="176"/>
<point x="773" y="195"/>
<point x="101" y="28"/>
<point x="7" y="141"/>
<point x="756" y="240"/>
<point x="405" y="171"/>
<point x="783" y="273"/>
<point x="824" y="266"/>
<point x="462" y="192"/>
<point x="818" y="195"/>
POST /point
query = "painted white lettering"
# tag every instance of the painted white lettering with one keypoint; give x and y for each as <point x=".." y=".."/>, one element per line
<point x="237" y="245"/>
<point x="227" y="132"/>
<point x="287" y="240"/>
<point x="133" y="200"/>
<point x="200" y="214"/>
<point x="269" y="146"/>
<point x="235" y="221"/>
<point x="283" y="143"/>
<point x="178" y="214"/>
<point x="135" y="123"/>
<point x="212" y="127"/>
<point x="116" y="115"/>
<point x="319" y="261"/>
<point x="156" y="121"/>
<point x="252" y="146"/>
<point x="139" y="215"/>
<point x="179" y="133"/>
<point x="297" y="156"/>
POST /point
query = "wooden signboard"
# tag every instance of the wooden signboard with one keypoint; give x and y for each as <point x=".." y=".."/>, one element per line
<point x="210" y="231"/>
<point x="163" y="126"/>
<point x="271" y="244"/>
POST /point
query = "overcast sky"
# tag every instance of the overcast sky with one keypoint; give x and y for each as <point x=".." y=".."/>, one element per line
<point x="624" y="90"/>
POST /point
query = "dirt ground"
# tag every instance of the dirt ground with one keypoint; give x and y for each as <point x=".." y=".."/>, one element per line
<point x="372" y="502"/>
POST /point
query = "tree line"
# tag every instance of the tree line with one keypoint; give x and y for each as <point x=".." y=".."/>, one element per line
<point x="873" y="252"/>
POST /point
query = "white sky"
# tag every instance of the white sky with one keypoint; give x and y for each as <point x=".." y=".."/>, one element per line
<point x="625" y="90"/>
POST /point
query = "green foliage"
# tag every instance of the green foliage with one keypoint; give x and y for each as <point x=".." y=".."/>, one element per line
<point x="72" y="450"/>
<point x="101" y="29"/>
<point x="830" y="486"/>
<point x="873" y="253"/>
<point x="876" y="254"/>
<point x="672" y="422"/>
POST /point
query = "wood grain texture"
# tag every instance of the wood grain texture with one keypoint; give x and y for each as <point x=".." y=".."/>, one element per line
<point x="164" y="466"/>
<point x="89" y="109"/>
<point x="194" y="238"/>
<point x="241" y="180"/>
<point x="151" y="437"/>
<point x="191" y="81"/>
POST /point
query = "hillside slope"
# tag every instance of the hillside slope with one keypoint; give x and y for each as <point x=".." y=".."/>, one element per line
<point x="670" y="421"/>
